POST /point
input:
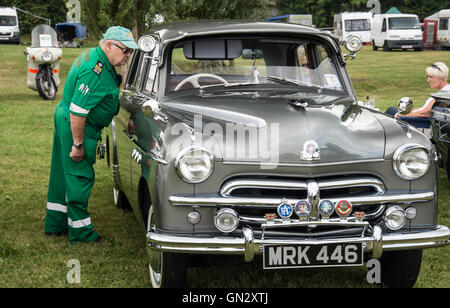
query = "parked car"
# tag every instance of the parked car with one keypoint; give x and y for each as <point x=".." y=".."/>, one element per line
<point x="440" y="128"/>
<point x="246" y="139"/>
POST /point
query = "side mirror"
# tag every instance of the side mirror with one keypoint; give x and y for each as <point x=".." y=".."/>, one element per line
<point x="151" y="108"/>
<point x="353" y="44"/>
<point x="405" y="105"/>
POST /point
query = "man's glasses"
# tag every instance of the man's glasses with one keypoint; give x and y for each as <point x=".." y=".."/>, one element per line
<point x="125" y="50"/>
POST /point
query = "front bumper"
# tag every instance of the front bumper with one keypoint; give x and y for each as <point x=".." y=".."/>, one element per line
<point x="404" y="44"/>
<point x="248" y="246"/>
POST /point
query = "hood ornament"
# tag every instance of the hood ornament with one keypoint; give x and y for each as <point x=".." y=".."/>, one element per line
<point x="310" y="151"/>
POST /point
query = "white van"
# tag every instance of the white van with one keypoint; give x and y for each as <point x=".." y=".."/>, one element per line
<point x="396" y="31"/>
<point x="9" y="25"/>
<point x="443" y="32"/>
<point x="355" y="23"/>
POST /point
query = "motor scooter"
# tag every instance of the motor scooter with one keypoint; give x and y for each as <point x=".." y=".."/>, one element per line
<point x="43" y="62"/>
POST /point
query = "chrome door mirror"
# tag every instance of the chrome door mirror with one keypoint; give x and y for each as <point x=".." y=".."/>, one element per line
<point x="405" y="105"/>
<point x="151" y="108"/>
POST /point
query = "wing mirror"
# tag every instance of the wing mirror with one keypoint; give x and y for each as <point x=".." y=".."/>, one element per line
<point x="151" y="108"/>
<point x="405" y="105"/>
<point x="353" y="44"/>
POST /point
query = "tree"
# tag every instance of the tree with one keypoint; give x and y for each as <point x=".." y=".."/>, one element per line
<point x="323" y="11"/>
<point x="55" y="10"/>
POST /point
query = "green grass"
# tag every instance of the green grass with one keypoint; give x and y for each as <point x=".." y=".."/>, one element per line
<point x="30" y="259"/>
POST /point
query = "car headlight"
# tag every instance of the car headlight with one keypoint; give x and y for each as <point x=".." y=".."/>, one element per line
<point x="194" y="164"/>
<point x="411" y="161"/>
<point x="46" y="56"/>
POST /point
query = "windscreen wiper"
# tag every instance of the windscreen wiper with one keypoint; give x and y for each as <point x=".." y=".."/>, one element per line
<point x="294" y="81"/>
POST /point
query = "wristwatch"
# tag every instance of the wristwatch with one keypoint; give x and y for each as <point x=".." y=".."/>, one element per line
<point x="78" y="145"/>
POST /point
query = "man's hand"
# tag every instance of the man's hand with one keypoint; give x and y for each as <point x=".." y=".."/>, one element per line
<point x="77" y="124"/>
<point x="77" y="154"/>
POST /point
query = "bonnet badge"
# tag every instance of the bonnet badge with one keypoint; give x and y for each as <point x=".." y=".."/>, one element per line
<point x="310" y="151"/>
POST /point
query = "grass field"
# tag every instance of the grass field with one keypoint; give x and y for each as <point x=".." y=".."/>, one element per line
<point x="28" y="258"/>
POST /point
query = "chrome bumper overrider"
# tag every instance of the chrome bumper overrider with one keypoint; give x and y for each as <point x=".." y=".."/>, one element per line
<point x="248" y="246"/>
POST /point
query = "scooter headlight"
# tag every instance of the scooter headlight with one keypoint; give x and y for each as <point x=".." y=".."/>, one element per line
<point x="194" y="164"/>
<point x="411" y="161"/>
<point x="46" y="56"/>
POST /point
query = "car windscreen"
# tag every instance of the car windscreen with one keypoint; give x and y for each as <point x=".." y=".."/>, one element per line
<point x="209" y="62"/>
<point x="403" y="23"/>
<point x="6" y="21"/>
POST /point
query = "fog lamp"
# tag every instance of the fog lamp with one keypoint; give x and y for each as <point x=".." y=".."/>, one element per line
<point x="394" y="218"/>
<point x="226" y="220"/>
<point x="194" y="217"/>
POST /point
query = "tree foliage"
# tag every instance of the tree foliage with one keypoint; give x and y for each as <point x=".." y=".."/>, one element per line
<point x="323" y="11"/>
<point x="139" y="14"/>
<point x="55" y="10"/>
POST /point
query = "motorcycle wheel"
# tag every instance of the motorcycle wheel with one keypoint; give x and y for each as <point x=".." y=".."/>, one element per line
<point x="46" y="87"/>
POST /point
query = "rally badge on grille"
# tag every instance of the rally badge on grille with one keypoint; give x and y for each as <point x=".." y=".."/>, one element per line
<point x="284" y="210"/>
<point x="302" y="209"/>
<point x="326" y="208"/>
<point x="343" y="208"/>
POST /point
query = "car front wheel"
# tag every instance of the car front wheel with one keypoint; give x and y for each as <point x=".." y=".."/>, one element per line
<point x="167" y="270"/>
<point x="400" y="269"/>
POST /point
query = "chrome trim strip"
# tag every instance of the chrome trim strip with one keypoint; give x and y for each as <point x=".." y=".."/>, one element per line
<point x="270" y="203"/>
<point x="249" y="246"/>
<point x="277" y="164"/>
<point x="229" y="186"/>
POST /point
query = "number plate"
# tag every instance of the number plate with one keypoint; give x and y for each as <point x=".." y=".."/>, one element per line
<point x="297" y="256"/>
<point x="407" y="46"/>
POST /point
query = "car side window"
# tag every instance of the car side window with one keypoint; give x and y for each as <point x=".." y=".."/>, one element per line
<point x="134" y="74"/>
<point x="152" y="72"/>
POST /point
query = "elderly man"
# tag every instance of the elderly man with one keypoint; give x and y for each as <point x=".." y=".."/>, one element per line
<point x="90" y="101"/>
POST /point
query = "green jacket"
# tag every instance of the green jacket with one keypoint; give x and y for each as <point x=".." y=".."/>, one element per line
<point x="91" y="88"/>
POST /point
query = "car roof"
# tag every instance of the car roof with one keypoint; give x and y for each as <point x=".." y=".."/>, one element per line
<point x="182" y="29"/>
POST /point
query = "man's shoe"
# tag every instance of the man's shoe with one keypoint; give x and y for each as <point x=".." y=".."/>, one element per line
<point x="59" y="233"/>
<point x="99" y="239"/>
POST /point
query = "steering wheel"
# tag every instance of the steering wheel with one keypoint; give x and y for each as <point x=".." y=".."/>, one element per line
<point x="194" y="80"/>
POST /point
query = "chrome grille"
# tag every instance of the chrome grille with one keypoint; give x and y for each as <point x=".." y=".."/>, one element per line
<point x="297" y="189"/>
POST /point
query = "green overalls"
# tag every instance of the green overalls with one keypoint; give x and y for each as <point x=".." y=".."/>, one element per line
<point x="91" y="90"/>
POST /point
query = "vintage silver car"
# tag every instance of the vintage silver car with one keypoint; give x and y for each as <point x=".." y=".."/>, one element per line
<point x="440" y="128"/>
<point x="246" y="139"/>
